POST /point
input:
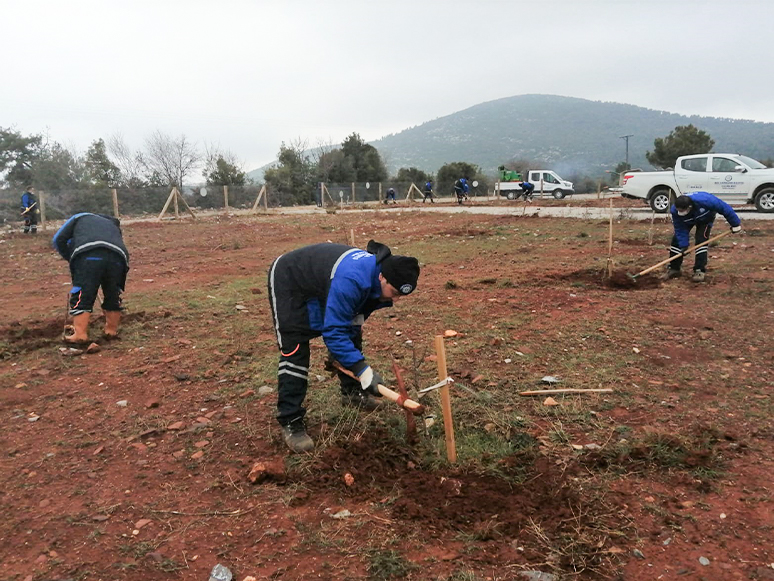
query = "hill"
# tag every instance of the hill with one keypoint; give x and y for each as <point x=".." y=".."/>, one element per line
<point x="567" y="134"/>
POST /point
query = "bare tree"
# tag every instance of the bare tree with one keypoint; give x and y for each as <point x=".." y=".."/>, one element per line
<point x="170" y="159"/>
<point x="130" y="164"/>
<point x="213" y="152"/>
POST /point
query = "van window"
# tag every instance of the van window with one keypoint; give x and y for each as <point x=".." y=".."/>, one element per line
<point x="534" y="177"/>
<point x="723" y="164"/>
<point x="549" y="179"/>
<point x="695" y="164"/>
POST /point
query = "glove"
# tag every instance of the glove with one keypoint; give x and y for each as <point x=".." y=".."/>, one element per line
<point x="369" y="379"/>
<point x="736" y="229"/>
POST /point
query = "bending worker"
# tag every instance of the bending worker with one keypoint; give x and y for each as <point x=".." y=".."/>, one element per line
<point x="697" y="209"/>
<point x="329" y="290"/>
<point x="94" y="247"/>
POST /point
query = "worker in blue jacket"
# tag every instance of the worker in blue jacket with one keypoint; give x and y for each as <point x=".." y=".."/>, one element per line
<point x="30" y="211"/>
<point x="428" y="193"/>
<point x="94" y="247"/>
<point x="528" y="189"/>
<point x="329" y="290"/>
<point x="461" y="189"/>
<point x="696" y="210"/>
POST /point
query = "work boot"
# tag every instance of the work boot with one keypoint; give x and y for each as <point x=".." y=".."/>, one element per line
<point x="112" y="318"/>
<point x="698" y="276"/>
<point x="296" y="438"/>
<point x="362" y="401"/>
<point x="672" y="273"/>
<point x="80" y="329"/>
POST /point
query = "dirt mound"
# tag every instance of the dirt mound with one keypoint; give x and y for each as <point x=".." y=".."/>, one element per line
<point x="623" y="280"/>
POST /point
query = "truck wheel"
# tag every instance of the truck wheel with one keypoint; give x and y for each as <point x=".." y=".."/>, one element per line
<point x="660" y="201"/>
<point x="558" y="194"/>
<point x="764" y="201"/>
<point x="511" y="195"/>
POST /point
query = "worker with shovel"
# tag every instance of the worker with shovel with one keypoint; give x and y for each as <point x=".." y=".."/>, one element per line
<point x="697" y="209"/>
<point x="94" y="247"/>
<point x="329" y="290"/>
<point x="30" y="211"/>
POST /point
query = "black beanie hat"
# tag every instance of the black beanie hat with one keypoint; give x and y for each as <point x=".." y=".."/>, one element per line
<point x="683" y="202"/>
<point x="402" y="272"/>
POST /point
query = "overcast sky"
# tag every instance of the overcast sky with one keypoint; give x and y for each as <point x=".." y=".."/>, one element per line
<point x="247" y="75"/>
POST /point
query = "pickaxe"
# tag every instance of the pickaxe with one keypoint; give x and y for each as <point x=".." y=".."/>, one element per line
<point x="676" y="256"/>
<point x="409" y="404"/>
<point x="30" y="208"/>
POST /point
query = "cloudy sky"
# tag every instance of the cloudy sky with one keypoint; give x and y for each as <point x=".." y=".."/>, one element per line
<point x="247" y="75"/>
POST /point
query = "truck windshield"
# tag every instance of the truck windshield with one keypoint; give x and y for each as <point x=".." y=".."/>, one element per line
<point x="750" y="162"/>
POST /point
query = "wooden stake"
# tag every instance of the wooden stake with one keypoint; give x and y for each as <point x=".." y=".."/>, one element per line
<point x="351" y="237"/>
<point x="650" y="232"/>
<point x="166" y="205"/>
<point x="411" y="424"/>
<point x="187" y="207"/>
<point x="448" y="424"/>
<point x="610" y="244"/>
<point x="261" y="194"/>
<point x="225" y="197"/>
<point x="550" y="391"/>
<point x="115" y="203"/>
<point x="174" y="201"/>
<point x="353" y="193"/>
<point x="42" y="201"/>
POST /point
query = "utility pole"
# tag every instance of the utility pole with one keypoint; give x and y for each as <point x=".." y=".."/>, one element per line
<point x="626" y="138"/>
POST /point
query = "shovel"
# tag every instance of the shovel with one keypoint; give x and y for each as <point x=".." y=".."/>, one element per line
<point x="676" y="256"/>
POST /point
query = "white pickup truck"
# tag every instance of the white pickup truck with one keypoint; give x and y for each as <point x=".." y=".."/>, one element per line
<point x="545" y="181"/>
<point x="735" y="179"/>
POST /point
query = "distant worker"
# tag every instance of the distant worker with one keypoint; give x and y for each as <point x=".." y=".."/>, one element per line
<point x="527" y="189"/>
<point x="329" y="290"/>
<point x="94" y="247"/>
<point x="461" y="189"/>
<point x="428" y="192"/>
<point x="391" y="196"/>
<point x="697" y="209"/>
<point x="30" y="211"/>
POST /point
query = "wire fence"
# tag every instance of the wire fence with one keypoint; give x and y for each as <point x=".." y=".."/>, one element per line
<point x="150" y="201"/>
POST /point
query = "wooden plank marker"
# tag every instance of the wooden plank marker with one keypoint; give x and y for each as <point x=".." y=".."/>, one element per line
<point x="448" y="423"/>
<point x="174" y="195"/>
<point x="261" y="196"/>
<point x="115" y="203"/>
<point x="610" y="244"/>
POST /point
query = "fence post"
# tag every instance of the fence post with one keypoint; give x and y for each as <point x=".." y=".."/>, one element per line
<point x="42" y="200"/>
<point x="115" y="202"/>
<point x="174" y="200"/>
<point x="225" y="197"/>
<point x="353" y="193"/>
<point x="380" y="192"/>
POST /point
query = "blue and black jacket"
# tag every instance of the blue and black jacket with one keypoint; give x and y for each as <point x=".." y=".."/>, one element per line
<point x="461" y="185"/>
<point x="339" y="287"/>
<point x="87" y="231"/>
<point x="27" y="200"/>
<point x="705" y="208"/>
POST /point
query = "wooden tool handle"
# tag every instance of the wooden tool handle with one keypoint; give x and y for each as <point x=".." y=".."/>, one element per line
<point x="686" y="251"/>
<point x="404" y="402"/>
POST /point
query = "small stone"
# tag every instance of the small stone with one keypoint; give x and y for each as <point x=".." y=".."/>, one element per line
<point x="508" y="360"/>
<point x="152" y="403"/>
<point x="220" y="573"/>
<point x="178" y="454"/>
<point x="20" y="386"/>
<point x="592" y="447"/>
<point x="93" y="348"/>
<point x="450" y="333"/>
<point x="398" y="333"/>
<point x="247" y="393"/>
<point x="490" y="427"/>
<point x="477" y="378"/>
<point x="349" y="480"/>
<point x="241" y="308"/>
<point x="704" y="561"/>
<point x="577" y="447"/>
<point x="41" y="559"/>
<point x="140" y="447"/>
<point x="342" y="514"/>
<point x="33" y="418"/>
<point x="549" y="401"/>
<point x="550" y="379"/>
<point x="262" y="471"/>
<point x="176" y="426"/>
<point x="265" y="390"/>
<point x="197" y="455"/>
<point x="44" y="503"/>
<point x="122" y="403"/>
<point x="201" y="444"/>
<point x="639" y="554"/>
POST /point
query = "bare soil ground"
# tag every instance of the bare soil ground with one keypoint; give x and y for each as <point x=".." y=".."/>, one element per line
<point x="668" y="477"/>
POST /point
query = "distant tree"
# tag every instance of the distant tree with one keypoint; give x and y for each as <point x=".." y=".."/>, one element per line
<point x="57" y="168"/>
<point x="365" y="159"/>
<point x="172" y="159"/>
<point x="99" y="169"/>
<point x="451" y="172"/>
<point x="335" y="167"/>
<point x="683" y="140"/>
<point x="222" y="168"/>
<point x="18" y="154"/>
<point x="294" y="174"/>
<point x="131" y="165"/>
<point x="414" y="175"/>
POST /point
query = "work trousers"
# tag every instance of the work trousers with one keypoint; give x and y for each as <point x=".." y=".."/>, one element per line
<point x="91" y="270"/>
<point x="700" y="261"/>
<point x="291" y="322"/>
<point x="31" y="222"/>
